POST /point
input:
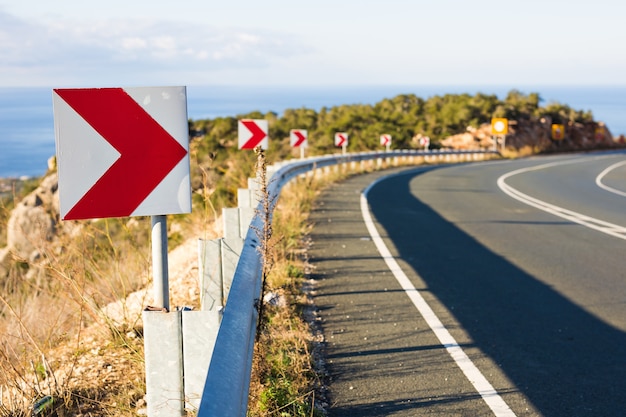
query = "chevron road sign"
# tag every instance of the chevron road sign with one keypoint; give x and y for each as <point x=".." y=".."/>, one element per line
<point x="253" y="133"/>
<point x="122" y="151"/>
<point x="298" y="138"/>
<point x="341" y="140"/>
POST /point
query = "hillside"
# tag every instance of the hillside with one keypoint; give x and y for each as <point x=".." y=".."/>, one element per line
<point x="63" y="328"/>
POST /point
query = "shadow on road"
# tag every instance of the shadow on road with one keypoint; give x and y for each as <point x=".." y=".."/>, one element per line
<point x="565" y="360"/>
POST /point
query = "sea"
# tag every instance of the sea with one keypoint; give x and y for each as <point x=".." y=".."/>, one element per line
<point x="27" y="121"/>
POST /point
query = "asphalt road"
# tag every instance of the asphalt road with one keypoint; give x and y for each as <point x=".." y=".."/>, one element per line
<point x="537" y="302"/>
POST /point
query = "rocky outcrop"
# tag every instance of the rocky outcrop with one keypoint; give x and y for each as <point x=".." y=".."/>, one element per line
<point x="32" y="225"/>
<point x="535" y="135"/>
<point x="33" y="220"/>
<point x="474" y="138"/>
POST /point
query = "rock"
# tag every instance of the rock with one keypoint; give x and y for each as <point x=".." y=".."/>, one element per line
<point x="52" y="164"/>
<point x="474" y="138"/>
<point x="32" y="224"/>
<point x="275" y="299"/>
<point x="29" y="227"/>
<point x="33" y="221"/>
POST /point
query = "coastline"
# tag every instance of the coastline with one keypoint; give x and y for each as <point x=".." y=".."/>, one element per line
<point x="27" y="131"/>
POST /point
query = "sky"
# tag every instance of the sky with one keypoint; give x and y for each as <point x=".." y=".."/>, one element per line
<point x="94" y="43"/>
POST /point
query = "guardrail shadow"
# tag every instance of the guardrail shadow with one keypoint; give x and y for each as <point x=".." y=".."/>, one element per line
<point x="565" y="360"/>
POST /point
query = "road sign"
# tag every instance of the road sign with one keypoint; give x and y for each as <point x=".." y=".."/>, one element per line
<point x="600" y="133"/>
<point x="253" y="133"/>
<point x="385" y="140"/>
<point x="298" y="138"/>
<point x="499" y="126"/>
<point x="341" y="139"/>
<point x="122" y="152"/>
<point x="424" y="141"/>
<point x="558" y="132"/>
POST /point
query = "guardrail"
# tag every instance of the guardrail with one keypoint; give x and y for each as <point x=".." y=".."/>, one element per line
<point x="228" y="379"/>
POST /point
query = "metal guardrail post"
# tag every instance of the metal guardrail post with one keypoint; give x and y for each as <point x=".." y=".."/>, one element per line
<point x="210" y="276"/>
<point x="199" y="329"/>
<point x="164" y="363"/>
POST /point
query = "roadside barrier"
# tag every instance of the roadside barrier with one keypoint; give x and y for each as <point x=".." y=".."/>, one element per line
<point x="218" y="341"/>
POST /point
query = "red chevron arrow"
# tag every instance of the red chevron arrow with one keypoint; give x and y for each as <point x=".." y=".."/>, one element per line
<point x="301" y="138"/>
<point x="341" y="139"/>
<point x="258" y="134"/>
<point x="147" y="152"/>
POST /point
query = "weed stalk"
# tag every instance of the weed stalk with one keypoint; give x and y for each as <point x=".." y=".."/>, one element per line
<point x="265" y="233"/>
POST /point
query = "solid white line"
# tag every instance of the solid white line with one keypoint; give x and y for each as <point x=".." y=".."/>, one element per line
<point x="575" y="217"/>
<point x="480" y="383"/>
<point x="603" y="174"/>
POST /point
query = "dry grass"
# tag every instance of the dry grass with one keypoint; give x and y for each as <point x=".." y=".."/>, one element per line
<point x="51" y="323"/>
<point x="523" y="152"/>
<point x="285" y="380"/>
<point x="56" y="340"/>
<point x="282" y="371"/>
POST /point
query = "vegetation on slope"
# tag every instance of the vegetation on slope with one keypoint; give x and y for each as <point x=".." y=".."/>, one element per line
<point x="53" y="337"/>
<point x="404" y="117"/>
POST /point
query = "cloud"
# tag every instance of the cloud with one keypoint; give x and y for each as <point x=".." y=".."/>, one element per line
<point x="78" y="48"/>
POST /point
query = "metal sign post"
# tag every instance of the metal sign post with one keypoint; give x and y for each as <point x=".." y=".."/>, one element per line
<point x="160" y="273"/>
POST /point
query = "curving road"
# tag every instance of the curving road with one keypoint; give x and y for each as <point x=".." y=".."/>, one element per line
<point x="503" y="292"/>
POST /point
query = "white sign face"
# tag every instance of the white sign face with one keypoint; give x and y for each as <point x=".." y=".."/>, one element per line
<point x="385" y="140"/>
<point x="298" y="138"/>
<point x="253" y="133"/>
<point x="122" y="152"/>
<point x="341" y="139"/>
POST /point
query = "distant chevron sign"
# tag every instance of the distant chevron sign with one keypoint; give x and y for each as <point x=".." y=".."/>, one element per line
<point x="122" y="152"/>
<point x="253" y="133"/>
<point x="298" y="138"/>
<point x="341" y="139"/>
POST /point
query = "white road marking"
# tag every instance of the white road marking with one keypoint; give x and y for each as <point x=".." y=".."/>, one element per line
<point x="478" y="380"/>
<point x="603" y="174"/>
<point x="575" y="217"/>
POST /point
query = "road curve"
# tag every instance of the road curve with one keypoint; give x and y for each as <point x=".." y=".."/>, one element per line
<point x="536" y="302"/>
